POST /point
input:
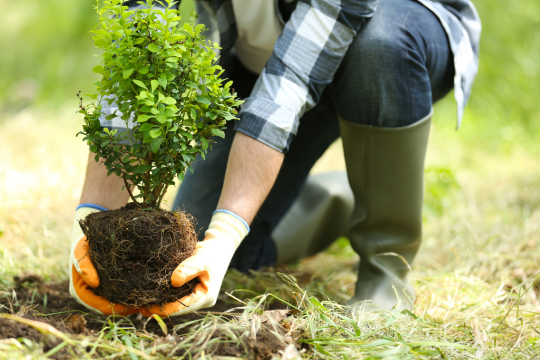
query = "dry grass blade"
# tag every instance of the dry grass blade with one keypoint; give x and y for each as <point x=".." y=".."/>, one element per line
<point x="38" y="325"/>
<point x="160" y="322"/>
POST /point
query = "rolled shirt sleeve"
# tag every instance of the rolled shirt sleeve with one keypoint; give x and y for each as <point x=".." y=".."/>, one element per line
<point x="304" y="61"/>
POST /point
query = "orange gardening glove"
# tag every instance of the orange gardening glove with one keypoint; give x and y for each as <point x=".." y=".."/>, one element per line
<point x="209" y="263"/>
<point x="83" y="274"/>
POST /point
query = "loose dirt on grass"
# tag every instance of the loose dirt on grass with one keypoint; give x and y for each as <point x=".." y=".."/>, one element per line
<point x="135" y="252"/>
<point x="35" y="304"/>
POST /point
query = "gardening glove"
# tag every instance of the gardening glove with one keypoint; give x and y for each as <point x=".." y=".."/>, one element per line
<point x="209" y="264"/>
<point x="83" y="274"/>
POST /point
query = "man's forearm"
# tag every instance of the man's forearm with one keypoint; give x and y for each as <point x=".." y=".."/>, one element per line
<point x="100" y="189"/>
<point x="251" y="172"/>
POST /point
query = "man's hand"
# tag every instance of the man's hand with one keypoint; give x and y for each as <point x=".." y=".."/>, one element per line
<point x="83" y="275"/>
<point x="209" y="264"/>
<point x="251" y="172"/>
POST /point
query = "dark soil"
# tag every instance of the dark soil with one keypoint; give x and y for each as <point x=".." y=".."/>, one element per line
<point x="51" y="303"/>
<point x="264" y="346"/>
<point x="136" y="251"/>
<point x="55" y="305"/>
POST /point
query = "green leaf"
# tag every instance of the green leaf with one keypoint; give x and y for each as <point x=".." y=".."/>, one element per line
<point x="143" y="118"/>
<point x="144" y="70"/>
<point x="203" y="100"/>
<point x="101" y="42"/>
<point x="169" y="101"/>
<point x="146" y="127"/>
<point x="161" y="118"/>
<point x="139" y="169"/>
<point x="199" y="28"/>
<point x="140" y="83"/>
<point x="110" y="117"/>
<point x="228" y="116"/>
<point x="162" y="81"/>
<point x="98" y="69"/>
<point x="128" y="72"/>
<point x="155" y="84"/>
<point x="204" y="143"/>
<point x="154" y="145"/>
<point x="188" y="27"/>
<point x="155" y="133"/>
<point x="153" y="47"/>
<point x="218" y="132"/>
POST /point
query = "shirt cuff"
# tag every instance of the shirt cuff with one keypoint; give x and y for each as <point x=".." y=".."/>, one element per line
<point x="269" y="123"/>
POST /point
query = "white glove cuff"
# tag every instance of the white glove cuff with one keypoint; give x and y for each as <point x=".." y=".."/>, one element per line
<point x="226" y="223"/>
<point x="82" y="212"/>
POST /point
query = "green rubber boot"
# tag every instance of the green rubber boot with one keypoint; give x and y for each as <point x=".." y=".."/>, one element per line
<point x="385" y="167"/>
<point x="318" y="216"/>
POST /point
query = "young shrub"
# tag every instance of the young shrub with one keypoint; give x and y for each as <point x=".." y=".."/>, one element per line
<point x="165" y="82"/>
<point x="164" y="78"/>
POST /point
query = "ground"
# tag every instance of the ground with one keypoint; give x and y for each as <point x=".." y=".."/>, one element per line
<point x="476" y="274"/>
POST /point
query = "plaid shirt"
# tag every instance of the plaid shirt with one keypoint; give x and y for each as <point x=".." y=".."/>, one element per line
<point x="310" y="49"/>
<point x="308" y="53"/>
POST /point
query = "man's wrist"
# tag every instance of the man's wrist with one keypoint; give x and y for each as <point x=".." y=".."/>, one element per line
<point x="227" y="224"/>
<point x="238" y="217"/>
<point x="91" y="206"/>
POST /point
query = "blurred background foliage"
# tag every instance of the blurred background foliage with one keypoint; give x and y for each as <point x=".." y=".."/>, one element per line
<point x="47" y="52"/>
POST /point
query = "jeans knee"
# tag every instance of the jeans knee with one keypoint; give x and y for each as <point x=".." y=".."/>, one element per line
<point x="372" y="82"/>
<point x="383" y="80"/>
<point x="375" y="50"/>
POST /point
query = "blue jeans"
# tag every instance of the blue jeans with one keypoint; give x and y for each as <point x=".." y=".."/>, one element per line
<point x="398" y="65"/>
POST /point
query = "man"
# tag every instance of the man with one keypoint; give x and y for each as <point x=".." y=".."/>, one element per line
<point x="311" y="71"/>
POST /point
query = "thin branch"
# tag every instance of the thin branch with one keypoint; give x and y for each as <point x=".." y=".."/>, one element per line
<point x="128" y="188"/>
<point x="162" y="195"/>
<point x="147" y="175"/>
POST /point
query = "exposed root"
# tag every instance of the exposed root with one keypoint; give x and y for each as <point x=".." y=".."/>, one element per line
<point x="136" y="251"/>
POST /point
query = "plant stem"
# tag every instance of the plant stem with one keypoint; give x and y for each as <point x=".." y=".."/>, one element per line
<point x="129" y="189"/>
<point x="147" y="184"/>
<point x="162" y="195"/>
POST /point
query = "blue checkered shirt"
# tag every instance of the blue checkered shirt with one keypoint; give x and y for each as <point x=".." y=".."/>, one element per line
<point x="310" y="49"/>
<point x="308" y="53"/>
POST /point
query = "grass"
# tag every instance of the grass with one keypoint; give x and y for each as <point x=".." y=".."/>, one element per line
<point x="476" y="274"/>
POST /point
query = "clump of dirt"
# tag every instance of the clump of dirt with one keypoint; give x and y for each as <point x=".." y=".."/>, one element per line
<point x="135" y="252"/>
<point x="15" y="328"/>
<point x="264" y="345"/>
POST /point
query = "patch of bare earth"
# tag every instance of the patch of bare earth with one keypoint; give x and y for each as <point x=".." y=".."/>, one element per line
<point x="263" y="337"/>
